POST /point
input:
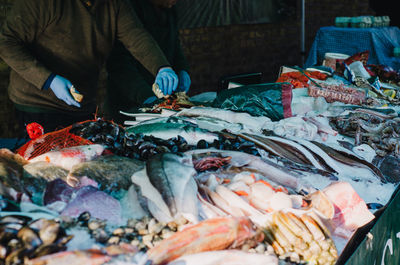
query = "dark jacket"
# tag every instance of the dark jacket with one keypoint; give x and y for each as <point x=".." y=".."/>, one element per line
<point x="70" y="38"/>
<point x="129" y="83"/>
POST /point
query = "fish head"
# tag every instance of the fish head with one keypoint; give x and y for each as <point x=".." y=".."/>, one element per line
<point x="245" y="231"/>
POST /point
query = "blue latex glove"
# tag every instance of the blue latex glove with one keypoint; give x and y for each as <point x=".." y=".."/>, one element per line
<point x="60" y="87"/>
<point x="167" y="80"/>
<point x="184" y="81"/>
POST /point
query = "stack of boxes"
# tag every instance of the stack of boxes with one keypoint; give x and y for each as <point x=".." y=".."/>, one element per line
<point x="362" y="21"/>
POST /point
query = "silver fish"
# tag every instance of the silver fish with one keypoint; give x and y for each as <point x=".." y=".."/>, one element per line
<point x="168" y="130"/>
<point x="268" y="169"/>
<point x="173" y="178"/>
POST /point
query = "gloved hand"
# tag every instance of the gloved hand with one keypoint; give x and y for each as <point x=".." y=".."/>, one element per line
<point x="184" y="81"/>
<point x="60" y="87"/>
<point x="167" y="80"/>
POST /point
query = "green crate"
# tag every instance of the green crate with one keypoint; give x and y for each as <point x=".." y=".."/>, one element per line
<point x="342" y="22"/>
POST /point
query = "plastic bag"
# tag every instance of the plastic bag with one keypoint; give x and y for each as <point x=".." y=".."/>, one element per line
<point x="272" y="100"/>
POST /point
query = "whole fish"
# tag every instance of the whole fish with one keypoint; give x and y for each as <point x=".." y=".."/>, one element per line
<point x="155" y="203"/>
<point x="111" y="172"/>
<point x="267" y="169"/>
<point x="77" y="257"/>
<point x="69" y="157"/>
<point x="167" y="130"/>
<point x="99" y="204"/>
<point x="248" y="122"/>
<point x="172" y="176"/>
<point x="350" y="158"/>
<point x="212" y="234"/>
<point x="226" y="257"/>
<point x="11" y="174"/>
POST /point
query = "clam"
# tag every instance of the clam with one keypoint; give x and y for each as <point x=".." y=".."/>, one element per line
<point x="119" y="232"/>
<point x="100" y="235"/>
<point x="94" y="224"/>
<point x="113" y="240"/>
<point x="154" y="227"/>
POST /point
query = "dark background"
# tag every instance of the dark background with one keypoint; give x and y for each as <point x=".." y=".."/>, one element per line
<point x="217" y="51"/>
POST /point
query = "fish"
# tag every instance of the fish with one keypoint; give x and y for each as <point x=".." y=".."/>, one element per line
<point x="71" y="156"/>
<point x="350" y="158"/>
<point x="351" y="212"/>
<point x="246" y="162"/>
<point x="389" y="165"/>
<point x="248" y="122"/>
<point x="167" y="130"/>
<point x="111" y="172"/>
<point x="226" y="257"/>
<point x="98" y="203"/>
<point x="155" y="203"/>
<point x="57" y="190"/>
<point x="130" y="205"/>
<point x="45" y="171"/>
<point x="208" y="235"/>
<point x="11" y="175"/>
<point x="297" y="150"/>
<point x="207" y="210"/>
<point x="77" y="257"/>
<point x="253" y="214"/>
<point x="173" y="178"/>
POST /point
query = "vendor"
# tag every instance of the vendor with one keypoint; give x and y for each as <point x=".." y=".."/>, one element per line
<point x="129" y="82"/>
<point x="52" y="45"/>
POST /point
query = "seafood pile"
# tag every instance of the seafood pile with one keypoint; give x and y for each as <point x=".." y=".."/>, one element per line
<point x="176" y="190"/>
<point x="22" y="239"/>
<point x="150" y="139"/>
<point x="378" y="130"/>
<point x="176" y="101"/>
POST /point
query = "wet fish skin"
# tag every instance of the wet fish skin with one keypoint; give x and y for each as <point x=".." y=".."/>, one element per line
<point x="270" y="170"/>
<point x="111" y="172"/>
<point x="155" y="203"/>
<point x="68" y="157"/>
<point x="211" y="234"/>
<point x="173" y="178"/>
<point x="78" y="257"/>
<point x="226" y="257"/>
<point x="87" y="200"/>
<point x="165" y="130"/>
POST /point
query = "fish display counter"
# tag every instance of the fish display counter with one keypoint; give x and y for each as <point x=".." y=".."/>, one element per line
<point x="192" y="183"/>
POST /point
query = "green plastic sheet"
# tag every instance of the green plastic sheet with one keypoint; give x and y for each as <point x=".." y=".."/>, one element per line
<point x="272" y="100"/>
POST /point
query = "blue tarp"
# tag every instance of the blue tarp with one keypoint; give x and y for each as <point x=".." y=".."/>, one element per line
<point x="11" y="143"/>
<point x="378" y="41"/>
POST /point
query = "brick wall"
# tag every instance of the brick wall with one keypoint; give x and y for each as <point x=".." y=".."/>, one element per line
<point x="218" y="51"/>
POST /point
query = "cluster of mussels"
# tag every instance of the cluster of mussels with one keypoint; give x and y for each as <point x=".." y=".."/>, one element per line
<point x="143" y="234"/>
<point x="143" y="147"/>
<point x="22" y="238"/>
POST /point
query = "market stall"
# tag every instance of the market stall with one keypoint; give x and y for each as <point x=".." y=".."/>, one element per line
<point x="292" y="172"/>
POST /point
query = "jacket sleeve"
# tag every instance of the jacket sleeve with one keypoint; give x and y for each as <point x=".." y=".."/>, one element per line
<point x="138" y="41"/>
<point x="19" y="31"/>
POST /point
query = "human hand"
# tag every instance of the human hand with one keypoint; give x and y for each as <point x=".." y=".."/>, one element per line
<point x="167" y="80"/>
<point x="60" y="86"/>
<point x="184" y="81"/>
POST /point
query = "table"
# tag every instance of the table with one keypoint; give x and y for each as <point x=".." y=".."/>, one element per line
<point x="378" y="41"/>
